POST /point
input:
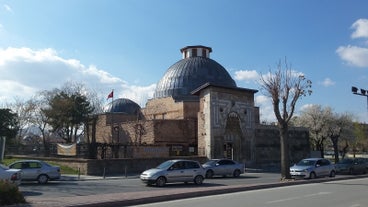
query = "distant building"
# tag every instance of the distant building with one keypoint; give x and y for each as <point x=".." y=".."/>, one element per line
<point x="197" y="109"/>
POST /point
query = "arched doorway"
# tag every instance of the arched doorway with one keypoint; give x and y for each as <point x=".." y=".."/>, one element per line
<point x="232" y="138"/>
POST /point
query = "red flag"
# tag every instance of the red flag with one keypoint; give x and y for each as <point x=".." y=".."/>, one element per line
<point x="111" y="95"/>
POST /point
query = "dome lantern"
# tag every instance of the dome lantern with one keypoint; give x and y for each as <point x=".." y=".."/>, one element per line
<point x="196" y="51"/>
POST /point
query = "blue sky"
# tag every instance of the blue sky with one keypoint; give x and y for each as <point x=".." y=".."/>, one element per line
<point x="127" y="45"/>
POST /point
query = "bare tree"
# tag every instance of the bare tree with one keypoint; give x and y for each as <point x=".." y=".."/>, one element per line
<point x="285" y="87"/>
<point x="24" y="109"/>
<point x="39" y="118"/>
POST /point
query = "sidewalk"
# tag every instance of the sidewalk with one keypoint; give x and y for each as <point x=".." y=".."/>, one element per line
<point x="136" y="198"/>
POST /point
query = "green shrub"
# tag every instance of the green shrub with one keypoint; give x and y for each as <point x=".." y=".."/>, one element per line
<point x="10" y="194"/>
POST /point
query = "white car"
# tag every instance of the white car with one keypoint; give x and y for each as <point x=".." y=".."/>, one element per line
<point x="174" y="171"/>
<point x="11" y="175"/>
<point x="223" y="167"/>
<point x="312" y="168"/>
<point x="37" y="170"/>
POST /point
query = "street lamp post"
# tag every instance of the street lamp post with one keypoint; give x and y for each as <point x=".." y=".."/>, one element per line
<point x="361" y="92"/>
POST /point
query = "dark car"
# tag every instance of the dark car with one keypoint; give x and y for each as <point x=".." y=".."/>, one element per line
<point x="351" y="166"/>
<point x="223" y="167"/>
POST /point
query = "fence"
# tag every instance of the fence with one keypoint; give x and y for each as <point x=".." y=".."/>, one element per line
<point x="104" y="151"/>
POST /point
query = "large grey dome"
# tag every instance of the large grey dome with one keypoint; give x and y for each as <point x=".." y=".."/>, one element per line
<point x="190" y="73"/>
<point x="123" y="105"/>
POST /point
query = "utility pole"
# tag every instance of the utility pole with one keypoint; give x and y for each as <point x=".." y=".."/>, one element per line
<point x="2" y="147"/>
<point x="361" y="92"/>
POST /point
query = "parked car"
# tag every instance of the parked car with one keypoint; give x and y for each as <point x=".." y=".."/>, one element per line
<point x="36" y="170"/>
<point x="174" y="171"/>
<point x="351" y="166"/>
<point x="312" y="168"/>
<point x="11" y="175"/>
<point x="223" y="167"/>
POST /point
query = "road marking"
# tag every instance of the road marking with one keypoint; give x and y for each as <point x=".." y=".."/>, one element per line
<point x="283" y="200"/>
<point x="299" y="197"/>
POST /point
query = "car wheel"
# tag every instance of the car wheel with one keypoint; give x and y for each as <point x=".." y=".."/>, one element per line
<point x="198" y="180"/>
<point x="236" y="173"/>
<point x="332" y="173"/>
<point x="209" y="174"/>
<point x="43" y="179"/>
<point x="312" y="175"/>
<point x="161" y="181"/>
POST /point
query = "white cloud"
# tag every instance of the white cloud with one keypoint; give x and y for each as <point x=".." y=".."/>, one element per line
<point x="306" y="107"/>
<point x="8" y="8"/>
<point x="353" y="55"/>
<point x="247" y="75"/>
<point x="356" y="55"/>
<point x="138" y="94"/>
<point x="327" y="82"/>
<point x="361" y="29"/>
<point x="265" y="108"/>
<point x="24" y="71"/>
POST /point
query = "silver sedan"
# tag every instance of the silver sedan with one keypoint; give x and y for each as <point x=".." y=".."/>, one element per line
<point x="223" y="167"/>
<point x="174" y="171"/>
<point x="10" y="175"/>
<point x="36" y="170"/>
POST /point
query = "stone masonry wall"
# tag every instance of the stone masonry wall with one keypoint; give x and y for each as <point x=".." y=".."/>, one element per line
<point x="267" y="146"/>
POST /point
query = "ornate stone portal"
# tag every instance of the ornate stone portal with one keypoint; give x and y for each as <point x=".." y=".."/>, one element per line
<point x="227" y="118"/>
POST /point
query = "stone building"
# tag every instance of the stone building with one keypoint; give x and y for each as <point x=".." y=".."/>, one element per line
<point x="197" y="109"/>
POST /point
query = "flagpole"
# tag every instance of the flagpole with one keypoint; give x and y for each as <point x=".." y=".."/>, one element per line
<point x="112" y="117"/>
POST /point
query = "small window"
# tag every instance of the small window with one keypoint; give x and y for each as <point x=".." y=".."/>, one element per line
<point x="191" y="165"/>
<point x="223" y="162"/>
<point x="204" y="52"/>
<point x="34" y="165"/>
<point x="194" y="52"/>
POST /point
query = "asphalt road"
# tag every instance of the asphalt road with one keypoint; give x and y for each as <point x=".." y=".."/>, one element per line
<point x="98" y="185"/>
<point x="338" y="193"/>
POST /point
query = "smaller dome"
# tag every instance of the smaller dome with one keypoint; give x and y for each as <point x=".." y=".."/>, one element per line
<point x="123" y="105"/>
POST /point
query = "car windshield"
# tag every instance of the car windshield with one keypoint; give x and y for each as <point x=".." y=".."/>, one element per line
<point x="306" y="162"/>
<point x="165" y="165"/>
<point x="211" y="162"/>
<point x="3" y="167"/>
